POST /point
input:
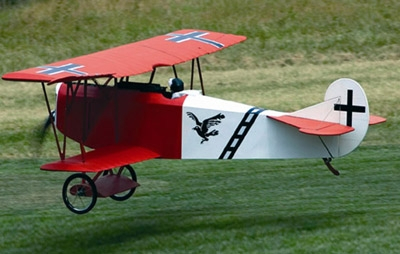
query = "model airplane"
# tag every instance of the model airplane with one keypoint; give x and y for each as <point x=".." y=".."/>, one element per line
<point x="118" y="122"/>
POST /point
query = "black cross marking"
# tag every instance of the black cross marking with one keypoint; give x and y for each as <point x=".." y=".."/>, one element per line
<point x="349" y="108"/>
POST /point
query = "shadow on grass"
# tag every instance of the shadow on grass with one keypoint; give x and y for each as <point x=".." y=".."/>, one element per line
<point x="176" y="227"/>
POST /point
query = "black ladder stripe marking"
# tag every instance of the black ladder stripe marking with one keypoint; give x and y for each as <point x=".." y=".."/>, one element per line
<point x="240" y="133"/>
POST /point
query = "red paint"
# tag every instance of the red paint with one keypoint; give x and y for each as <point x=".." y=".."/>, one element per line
<point x="113" y="184"/>
<point x="313" y="127"/>
<point x="103" y="158"/>
<point x="130" y="59"/>
<point x="123" y="118"/>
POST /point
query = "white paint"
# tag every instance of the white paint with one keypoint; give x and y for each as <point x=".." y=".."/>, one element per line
<point x="269" y="139"/>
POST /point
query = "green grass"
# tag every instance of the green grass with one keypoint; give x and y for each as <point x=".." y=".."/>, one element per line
<point x="279" y="32"/>
<point x="278" y="206"/>
<point x="295" y="49"/>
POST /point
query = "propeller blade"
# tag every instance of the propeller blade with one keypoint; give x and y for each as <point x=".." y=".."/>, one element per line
<point x="42" y="129"/>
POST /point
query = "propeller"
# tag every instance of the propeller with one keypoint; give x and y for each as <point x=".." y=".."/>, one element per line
<point x="41" y="131"/>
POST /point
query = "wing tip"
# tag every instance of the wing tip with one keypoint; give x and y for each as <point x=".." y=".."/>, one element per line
<point x="376" y="120"/>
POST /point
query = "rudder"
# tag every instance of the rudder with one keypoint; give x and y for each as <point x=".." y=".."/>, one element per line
<point x="351" y="109"/>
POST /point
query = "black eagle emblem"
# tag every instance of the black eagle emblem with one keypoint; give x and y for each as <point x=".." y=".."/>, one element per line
<point x="202" y="128"/>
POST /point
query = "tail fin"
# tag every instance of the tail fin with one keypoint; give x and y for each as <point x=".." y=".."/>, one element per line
<point x="350" y="109"/>
<point x="345" y="104"/>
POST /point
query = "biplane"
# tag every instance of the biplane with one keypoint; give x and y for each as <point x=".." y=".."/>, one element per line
<point x="117" y="121"/>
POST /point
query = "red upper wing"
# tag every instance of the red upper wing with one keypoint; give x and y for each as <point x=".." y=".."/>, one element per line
<point x="131" y="59"/>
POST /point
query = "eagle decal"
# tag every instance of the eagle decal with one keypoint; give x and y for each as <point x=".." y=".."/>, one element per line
<point x="202" y="128"/>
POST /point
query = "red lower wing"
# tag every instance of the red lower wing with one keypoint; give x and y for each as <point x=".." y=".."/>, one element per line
<point x="102" y="159"/>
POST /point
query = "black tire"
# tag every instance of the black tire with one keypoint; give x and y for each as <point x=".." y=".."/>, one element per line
<point x="79" y="193"/>
<point x="127" y="171"/>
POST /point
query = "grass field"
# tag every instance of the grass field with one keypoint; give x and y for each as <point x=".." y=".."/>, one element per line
<point x="295" y="49"/>
<point x="207" y="207"/>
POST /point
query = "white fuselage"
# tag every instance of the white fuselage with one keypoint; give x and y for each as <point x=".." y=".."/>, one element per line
<point x="247" y="132"/>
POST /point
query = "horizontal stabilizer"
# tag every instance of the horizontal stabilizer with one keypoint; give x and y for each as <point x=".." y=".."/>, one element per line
<point x="376" y="120"/>
<point x="102" y="159"/>
<point x="313" y="127"/>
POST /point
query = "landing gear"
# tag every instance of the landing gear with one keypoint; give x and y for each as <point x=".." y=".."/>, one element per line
<point x="80" y="192"/>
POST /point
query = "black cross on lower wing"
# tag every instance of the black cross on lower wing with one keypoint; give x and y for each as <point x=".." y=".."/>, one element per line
<point x="349" y="108"/>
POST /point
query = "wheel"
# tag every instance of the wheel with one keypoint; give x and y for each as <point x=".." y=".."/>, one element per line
<point x="79" y="193"/>
<point x="126" y="171"/>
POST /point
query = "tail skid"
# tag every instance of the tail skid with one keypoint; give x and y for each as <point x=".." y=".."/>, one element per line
<point x="327" y="162"/>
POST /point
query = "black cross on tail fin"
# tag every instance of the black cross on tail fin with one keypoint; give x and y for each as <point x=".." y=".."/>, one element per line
<point x="349" y="108"/>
